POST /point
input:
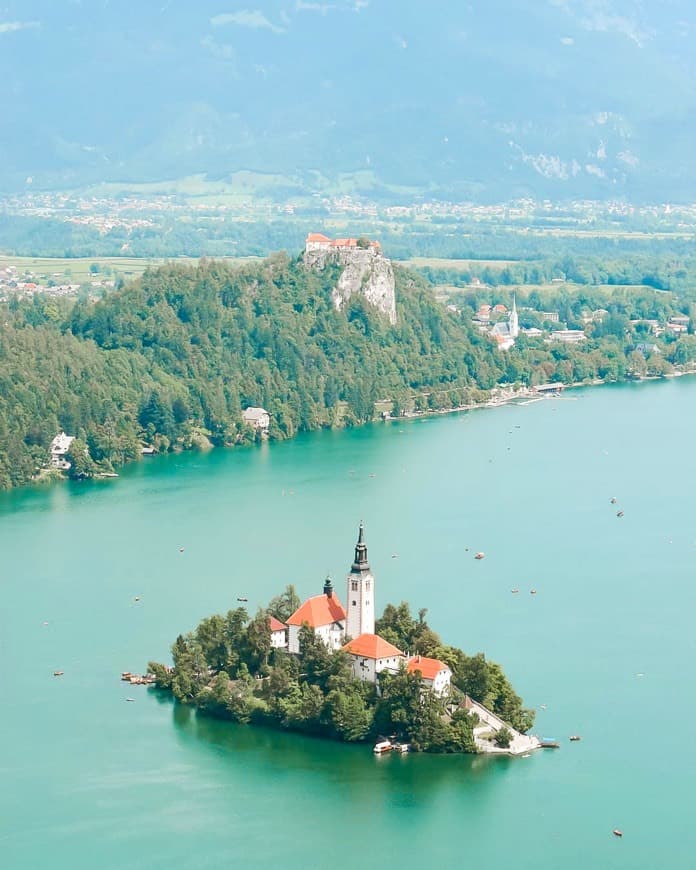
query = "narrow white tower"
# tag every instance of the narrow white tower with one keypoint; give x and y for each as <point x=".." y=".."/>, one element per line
<point x="360" y="593"/>
<point x="513" y="323"/>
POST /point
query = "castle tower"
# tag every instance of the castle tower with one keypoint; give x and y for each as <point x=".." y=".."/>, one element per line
<point x="360" y="593"/>
<point x="513" y="323"/>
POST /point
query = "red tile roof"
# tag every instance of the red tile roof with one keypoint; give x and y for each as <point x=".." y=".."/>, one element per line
<point x="429" y="668"/>
<point x="276" y="624"/>
<point x="372" y="646"/>
<point x="317" y="237"/>
<point x="319" y="610"/>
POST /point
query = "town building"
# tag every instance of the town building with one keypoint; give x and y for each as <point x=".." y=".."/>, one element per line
<point x="436" y="674"/>
<point x="257" y="417"/>
<point x="370" y="655"/>
<point x="279" y="633"/>
<point x="59" y="447"/>
<point x="569" y="336"/>
<point x="323" y="613"/>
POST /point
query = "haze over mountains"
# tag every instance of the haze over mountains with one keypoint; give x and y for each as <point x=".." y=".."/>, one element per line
<point x="480" y="100"/>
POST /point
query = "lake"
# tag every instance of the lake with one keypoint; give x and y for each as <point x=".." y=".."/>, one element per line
<point x="607" y="644"/>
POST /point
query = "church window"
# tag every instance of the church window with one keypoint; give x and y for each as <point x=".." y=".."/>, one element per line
<point x="354" y="603"/>
<point x="353" y="585"/>
<point x="367" y="586"/>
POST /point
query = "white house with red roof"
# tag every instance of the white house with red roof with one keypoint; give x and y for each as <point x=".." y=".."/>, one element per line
<point x="279" y="633"/>
<point x="436" y="674"/>
<point x="371" y="654"/>
<point x="325" y="614"/>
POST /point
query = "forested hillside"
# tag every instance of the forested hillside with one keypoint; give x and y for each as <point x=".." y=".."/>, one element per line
<point x="172" y="360"/>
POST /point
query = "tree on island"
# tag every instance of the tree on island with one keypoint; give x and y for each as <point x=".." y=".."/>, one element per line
<point x="227" y="668"/>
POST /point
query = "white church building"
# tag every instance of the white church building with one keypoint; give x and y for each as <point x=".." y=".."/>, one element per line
<point x="353" y="628"/>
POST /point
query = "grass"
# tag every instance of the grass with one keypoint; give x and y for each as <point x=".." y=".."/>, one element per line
<point x="68" y="270"/>
<point x="444" y="263"/>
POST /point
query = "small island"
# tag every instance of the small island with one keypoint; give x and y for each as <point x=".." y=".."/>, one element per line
<point x="333" y="671"/>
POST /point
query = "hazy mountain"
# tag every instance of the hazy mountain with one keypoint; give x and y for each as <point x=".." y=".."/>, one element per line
<point x="558" y="98"/>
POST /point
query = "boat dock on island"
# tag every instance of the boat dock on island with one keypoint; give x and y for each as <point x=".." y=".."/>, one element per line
<point x="138" y="679"/>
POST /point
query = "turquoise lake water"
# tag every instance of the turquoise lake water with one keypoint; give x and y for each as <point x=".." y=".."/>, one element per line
<point x="88" y="780"/>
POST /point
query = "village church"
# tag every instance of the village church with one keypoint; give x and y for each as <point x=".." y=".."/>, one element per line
<point x="352" y="628"/>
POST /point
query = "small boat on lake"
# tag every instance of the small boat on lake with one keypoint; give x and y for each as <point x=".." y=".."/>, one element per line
<point x="617" y="833"/>
<point x="574" y="738"/>
<point x="58" y="673"/>
<point x="532" y="591"/>
<point x="549" y="743"/>
<point x="382" y="747"/>
<point x="480" y="556"/>
<point x="620" y="514"/>
<point x="242" y="599"/>
<point x="613" y="500"/>
<point x="514" y="591"/>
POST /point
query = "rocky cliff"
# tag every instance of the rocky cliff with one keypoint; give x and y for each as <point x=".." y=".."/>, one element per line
<point x="365" y="271"/>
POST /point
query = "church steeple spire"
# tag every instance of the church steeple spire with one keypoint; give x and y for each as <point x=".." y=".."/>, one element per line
<point x="328" y="586"/>
<point x="513" y="323"/>
<point x="360" y="592"/>
<point x="360" y="564"/>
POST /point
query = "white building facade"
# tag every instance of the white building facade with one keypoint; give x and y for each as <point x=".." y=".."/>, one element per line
<point x="370" y="655"/>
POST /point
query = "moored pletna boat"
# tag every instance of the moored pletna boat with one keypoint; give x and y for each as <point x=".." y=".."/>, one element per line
<point x="549" y="743"/>
<point x="382" y="747"/>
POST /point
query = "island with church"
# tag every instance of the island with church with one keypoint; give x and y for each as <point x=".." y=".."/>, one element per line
<point x="331" y="670"/>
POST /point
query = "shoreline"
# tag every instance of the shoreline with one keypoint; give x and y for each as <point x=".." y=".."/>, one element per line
<point x="505" y="396"/>
<point x="499" y="397"/>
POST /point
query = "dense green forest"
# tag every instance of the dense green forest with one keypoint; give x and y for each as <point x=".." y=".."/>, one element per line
<point x="171" y="360"/>
<point x="227" y="668"/>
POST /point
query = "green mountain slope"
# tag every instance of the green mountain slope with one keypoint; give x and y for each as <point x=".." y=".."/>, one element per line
<point x="179" y="354"/>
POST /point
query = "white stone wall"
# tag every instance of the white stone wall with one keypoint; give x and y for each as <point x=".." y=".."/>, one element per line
<point x="333" y="636"/>
<point x="367" y="669"/>
<point x="278" y="639"/>
<point x="441" y="684"/>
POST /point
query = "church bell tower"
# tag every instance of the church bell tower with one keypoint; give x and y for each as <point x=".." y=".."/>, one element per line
<point x="360" y="592"/>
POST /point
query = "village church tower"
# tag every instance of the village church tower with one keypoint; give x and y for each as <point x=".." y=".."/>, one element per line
<point x="360" y="593"/>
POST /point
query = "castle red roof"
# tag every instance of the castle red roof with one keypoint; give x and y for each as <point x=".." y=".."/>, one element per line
<point x="337" y="243"/>
<point x="318" y="610"/>
<point x="276" y="624"/>
<point x="429" y="668"/>
<point x="372" y="646"/>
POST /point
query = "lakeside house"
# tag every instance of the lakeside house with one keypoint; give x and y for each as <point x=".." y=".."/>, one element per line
<point x="257" y="417"/>
<point x="59" y="447"/>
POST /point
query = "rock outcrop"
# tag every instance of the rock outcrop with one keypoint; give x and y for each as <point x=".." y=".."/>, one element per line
<point x="365" y="271"/>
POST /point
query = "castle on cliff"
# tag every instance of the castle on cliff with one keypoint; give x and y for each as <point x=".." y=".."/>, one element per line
<point x="365" y="270"/>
